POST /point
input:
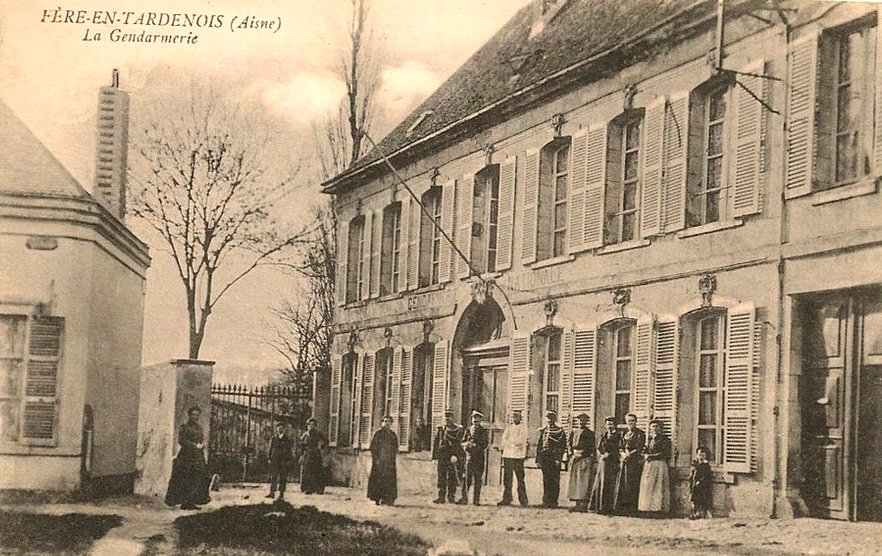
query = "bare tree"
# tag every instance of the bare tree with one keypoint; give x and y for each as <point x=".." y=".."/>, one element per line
<point x="202" y="179"/>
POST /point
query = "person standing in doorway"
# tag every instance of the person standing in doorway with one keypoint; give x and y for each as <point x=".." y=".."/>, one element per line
<point x="474" y="444"/>
<point x="280" y="460"/>
<point x="514" y="452"/>
<point x="383" y="480"/>
<point x="550" y="451"/>
<point x="312" y="462"/>
<point x="447" y="451"/>
<point x="581" y="450"/>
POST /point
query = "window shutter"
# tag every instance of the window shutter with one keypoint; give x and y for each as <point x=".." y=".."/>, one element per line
<point x="643" y="370"/>
<point x="758" y="334"/>
<point x="40" y="392"/>
<point x="365" y="427"/>
<point x="357" y="398"/>
<point x="507" y="173"/>
<point x="584" y="371"/>
<point x="576" y="202"/>
<point x="750" y="125"/>
<point x="404" y="246"/>
<point x="342" y="262"/>
<point x="802" y="80"/>
<point x="404" y="400"/>
<point x="395" y="404"/>
<point x="413" y="245"/>
<point x="465" y="201"/>
<point x="877" y="83"/>
<point x="376" y="251"/>
<point x="439" y="384"/>
<point x="666" y="375"/>
<point x="334" y="418"/>
<point x="519" y="368"/>
<point x="530" y="206"/>
<point x="676" y="135"/>
<point x="448" y="192"/>
<point x="739" y="388"/>
<point x="365" y="270"/>
<point x="566" y="380"/>
<point x="653" y="144"/>
<point x="595" y="181"/>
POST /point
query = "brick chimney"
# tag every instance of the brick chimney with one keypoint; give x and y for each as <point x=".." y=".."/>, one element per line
<point x="112" y="146"/>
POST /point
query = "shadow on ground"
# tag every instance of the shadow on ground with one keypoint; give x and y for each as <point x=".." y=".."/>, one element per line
<point x="26" y="533"/>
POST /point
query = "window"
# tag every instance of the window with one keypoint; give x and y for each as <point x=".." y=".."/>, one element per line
<point x="551" y="397"/>
<point x="554" y="168"/>
<point x="623" y="183"/>
<point x="390" y="260"/>
<point x="355" y="279"/>
<point x="708" y="188"/>
<point x="485" y="219"/>
<point x="430" y="234"/>
<point x="421" y="398"/>
<point x="382" y="387"/>
<point x="347" y="405"/>
<point x="710" y="361"/>
<point x="623" y="368"/>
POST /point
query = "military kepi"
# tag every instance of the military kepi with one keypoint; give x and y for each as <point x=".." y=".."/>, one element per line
<point x="476" y="413"/>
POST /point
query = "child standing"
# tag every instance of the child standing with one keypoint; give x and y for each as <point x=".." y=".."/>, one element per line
<point x="701" y="484"/>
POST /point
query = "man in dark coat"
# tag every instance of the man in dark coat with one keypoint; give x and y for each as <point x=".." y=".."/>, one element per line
<point x="383" y="480"/>
<point x="447" y="450"/>
<point x="312" y="461"/>
<point x="550" y="450"/>
<point x="188" y="485"/>
<point x="280" y="460"/>
<point x="474" y="443"/>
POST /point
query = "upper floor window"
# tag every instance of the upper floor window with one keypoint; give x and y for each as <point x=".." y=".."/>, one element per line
<point x="485" y="219"/>
<point x="390" y="260"/>
<point x="554" y="170"/>
<point x="430" y="238"/>
<point x="707" y="184"/>
<point x="356" y="271"/>
<point x="710" y="361"/>
<point x="623" y="179"/>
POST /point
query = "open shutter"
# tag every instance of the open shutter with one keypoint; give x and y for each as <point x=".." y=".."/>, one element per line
<point x="413" y="244"/>
<point x="653" y="144"/>
<point x="530" y="206"/>
<point x="376" y="252"/>
<point x="576" y="202"/>
<point x="365" y="270"/>
<point x="39" y="413"/>
<point x="643" y="370"/>
<point x="673" y="209"/>
<point x="584" y="371"/>
<point x="365" y="426"/>
<point x="802" y="75"/>
<point x="595" y="183"/>
<point x="739" y="388"/>
<point x="342" y="262"/>
<point x="448" y="193"/>
<point x="666" y="376"/>
<point x="758" y="334"/>
<point x="334" y="405"/>
<point x="439" y="384"/>
<point x="507" y="172"/>
<point x="404" y="400"/>
<point x="877" y="143"/>
<point x="519" y="369"/>
<point x="465" y="201"/>
<point x="746" y="185"/>
<point x="566" y="380"/>
<point x="404" y="245"/>
<point x="394" y="409"/>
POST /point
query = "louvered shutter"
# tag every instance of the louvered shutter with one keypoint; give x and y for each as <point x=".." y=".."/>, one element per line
<point x="334" y="404"/>
<point x="413" y="245"/>
<point x="365" y="426"/>
<point x="566" y="380"/>
<point x="519" y="369"/>
<point x="38" y="424"/>
<point x="530" y="206"/>
<point x="465" y="201"/>
<point x="576" y="202"/>
<point x="439" y="384"/>
<point x="877" y="82"/>
<point x="584" y="371"/>
<point x="666" y="375"/>
<point x="653" y="145"/>
<point x="673" y="209"/>
<point x="747" y="184"/>
<point x="342" y="262"/>
<point x="758" y="334"/>
<point x="802" y="79"/>
<point x="404" y="398"/>
<point x="448" y="193"/>
<point x="365" y="270"/>
<point x="404" y="244"/>
<point x="507" y="173"/>
<point x="739" y="388"/>
<point x="357" y="398"/>
<point x="644" y="361"/>
<point x="595" y="183"/>
<point x="394" y="409"/>
<point x="376" y="252"/>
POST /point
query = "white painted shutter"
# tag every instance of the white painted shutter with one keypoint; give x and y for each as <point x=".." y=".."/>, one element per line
<point x="666" y="376"/>
<point x="413" y="244"/>
<point x="365" y="426"/>
<point x="644" y="361"/>
<point x="739" y="388"/>
<point x="576" y="201"/>
<point x="802" y="77"/>
<point x="673" y="208"/>
<point x="365" y="270"/>
<point x="448" y="193"/>
<point x="357" y="399"/>
<point x="404" y="245"/>
<point x="334" y="404"/>
<point x="394" y="410"/>
<point x="38" y="424"/>
<point x="342" y="262"/>
<point x="404" y="397"/>
<point x="747" y="184"/>
<point x="439" y="384"/>
<point x="595" y="183"/>
<point x="465" y="203"/>
<point x="566" y="380"/>
<point x="519" y="369"/>
<point x="653" y="148"/>
<point x="376" y="252"/>
<point x="584" y="371"/>
<point x="530" y="206"/>
<point x="758" y="334"/>
<point x="877" y="82"/>
<point x="507" y="173"/>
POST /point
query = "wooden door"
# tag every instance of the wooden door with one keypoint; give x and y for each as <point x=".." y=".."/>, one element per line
<point x="868" y="441"/>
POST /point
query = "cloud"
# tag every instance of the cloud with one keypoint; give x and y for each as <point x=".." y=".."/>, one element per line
<point x="403" y="87"/>
<point x="305" y="98"/>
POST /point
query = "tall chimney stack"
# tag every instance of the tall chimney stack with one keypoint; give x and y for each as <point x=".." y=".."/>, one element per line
<point x="112" y="146"/>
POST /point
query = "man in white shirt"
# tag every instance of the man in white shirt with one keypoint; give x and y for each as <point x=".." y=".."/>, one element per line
<point x="514" y="452"/>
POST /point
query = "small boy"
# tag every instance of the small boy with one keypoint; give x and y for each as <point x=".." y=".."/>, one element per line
<point x="701" y="485"/>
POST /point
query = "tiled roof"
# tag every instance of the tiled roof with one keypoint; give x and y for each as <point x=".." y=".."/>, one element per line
<point x="27" y="166"/>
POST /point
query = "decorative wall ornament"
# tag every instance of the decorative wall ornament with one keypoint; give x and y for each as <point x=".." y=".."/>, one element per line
<point x="387" y="333"/>
<point x="550" y="309"/>
<point x="628" y="96"/>
<point x="620" y="298"/>
<point x="707" y="285"/>
<point x="354" y="338"/>
<point x="557" y="122"/>
<point x="482" y="290"/>
<point x="428" y="328"/>
<point x="434" y="174"/>
<point x="488" y="154"/>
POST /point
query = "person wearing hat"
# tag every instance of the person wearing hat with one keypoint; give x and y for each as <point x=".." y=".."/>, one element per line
<point x="447" y="451"/>
<point x="383" y="480"/>
<point x="655" y="482"/>
<point x="474" y="444"/>
<point x="312" y="461"/>
<point x="514" y="452"/>
<point x="604" y="491"/>
<point x="280" y="459"/>
<point x="630" y="467"/>
<point x="581" y="451"/>
<point x="550" y="450"/>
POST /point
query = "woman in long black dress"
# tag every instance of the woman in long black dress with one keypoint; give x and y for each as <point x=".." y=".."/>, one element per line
<point x="603" y="494"/>
<point x="655" y="482"/>
<point x="631" y="467"/>
<point x="383" y="480"/>
<point x="312" y="463"/>
<point x="188" y="485"/>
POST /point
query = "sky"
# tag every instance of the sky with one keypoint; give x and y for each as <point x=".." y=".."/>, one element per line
<point x="51" y="67"/>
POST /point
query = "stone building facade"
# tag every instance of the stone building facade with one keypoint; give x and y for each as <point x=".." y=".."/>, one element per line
<point x="650" y="227"/>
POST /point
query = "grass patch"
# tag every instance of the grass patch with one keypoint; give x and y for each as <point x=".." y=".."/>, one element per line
<point x="24" y="533"/>
<point x="283" y="529"/>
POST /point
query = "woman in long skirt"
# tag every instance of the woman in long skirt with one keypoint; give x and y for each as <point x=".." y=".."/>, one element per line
<point x="631" y="467"/>
<point x="581" y="450"/>
<point x="655" y="483"/>
<point x="603" y="494"/>
<point x="188" y="485"/>
<point x="312" y="466"/>
<point x="383" y="480"/>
